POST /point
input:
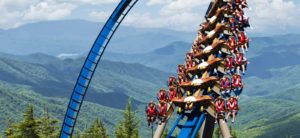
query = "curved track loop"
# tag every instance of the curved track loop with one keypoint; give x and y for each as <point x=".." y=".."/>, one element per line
<point x="210" y="62"/>
<point x="90" y="65"/>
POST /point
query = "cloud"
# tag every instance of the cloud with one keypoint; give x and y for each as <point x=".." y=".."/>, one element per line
<point x="91" y="2"/>
<point x="18" y="12"/>
<point x="101" y="15"/>
<point x="48" y="11"/>
<point x="157" y="2"/>
<point x="269" y="14"/>
<point x="173" y="14"/>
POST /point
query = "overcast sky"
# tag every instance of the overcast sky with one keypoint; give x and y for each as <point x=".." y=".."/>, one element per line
<point x="267" y="16"/>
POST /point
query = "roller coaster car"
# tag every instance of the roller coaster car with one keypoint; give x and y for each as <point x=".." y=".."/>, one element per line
<point x="216" y="46"/>
<point x="191" y="102"/>
<point x="211" y="22"/>
<point x="205" y="65"/>
<point x="202" y="83"/>
<point x="214" y="8"/>
<point x="207" y="37"/>
<point x="190" y="63"/>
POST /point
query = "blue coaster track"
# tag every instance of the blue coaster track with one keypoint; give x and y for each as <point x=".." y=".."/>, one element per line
<point x="90" y="65"/>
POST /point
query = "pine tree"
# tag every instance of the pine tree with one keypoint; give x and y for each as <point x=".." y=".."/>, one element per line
<point x="47" y="126"/>
<point x="232" y="132"/>
<point x="217" y="132"/>
<point x="10" y="130"/>
<point x="27" y="128"/>
<point x="97" y="130"/>
<point x="129" y="126"/>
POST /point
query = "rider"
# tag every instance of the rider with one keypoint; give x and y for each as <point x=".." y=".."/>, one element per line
<point x="189" y="63"/>
<point x="162" y="95"/>
<point x="220" y="108"/>
<point x="240" y="62"/>
<point x="181" y="78"/>
<point x="151" y="112"/>
<point x="181" y="69"/>
<point x="225" y="86"/>
<point x="172" y="93"/>
<point x="237" y="84"/>
<point x="172" y="81"/>
<point x="231" y="44"/>
<point x="162" y="111"/>
<point x="243" y="41"/>
<point x="229" y="64"/>
<point x="232" y="107"/>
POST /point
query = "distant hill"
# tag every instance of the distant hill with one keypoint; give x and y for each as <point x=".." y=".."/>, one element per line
<point x="77" y="36"/>
<point x="166" y="58"/>
<point x="50" y="82"/>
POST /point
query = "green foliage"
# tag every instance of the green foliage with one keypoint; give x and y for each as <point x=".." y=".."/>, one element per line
<point x="48" y="126"/>
<point x="233" y="132"/>
<point x="32" y="127"/>
<point x="165" y="134"/>
<point x="129" y="126"/>
<point x="217" y="132"/>
<point x="97" y="130"/>
<point x="28" y="127"/>
<point x="9" y="132"/>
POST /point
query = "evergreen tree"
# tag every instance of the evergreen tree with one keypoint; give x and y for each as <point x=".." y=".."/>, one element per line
<point x="129" y="126"/>
<point x="10" y="130"/>
<point x="47" y="126"/>
<point x="97" y="130"/>
<point x="27" y="128"/>
<point x="217" y="132"/>
<point x="232" y="132"/>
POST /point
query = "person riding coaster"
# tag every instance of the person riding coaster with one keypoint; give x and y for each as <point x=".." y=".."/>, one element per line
<point x="181" y="78"/>
<point x="220" y="108"/>
<point x="237" y="84"/>
<point x="191" y="102"/>
<point x="243" y="42"/>
<point x="229" y="65"/>
<point x="181" y="69"/>
<point x="232" y="108"/>
<point x="162" y="111"/>
<point x="240" y="63"/>
<point x="162" y="95"/>
<point x="231" y="44"/>
<point x="172" y="93"/>
<point x="172" y="81"/>
<point x="189" y="63"/>
<point x="151" y="112"/>
<point x="225" y="86"/>
<point x="189" y="56"/>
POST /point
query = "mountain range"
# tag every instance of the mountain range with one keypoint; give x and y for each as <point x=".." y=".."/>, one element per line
<point x="269" y="105"/>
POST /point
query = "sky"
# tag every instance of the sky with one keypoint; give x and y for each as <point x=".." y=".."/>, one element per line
<point x="266" y="16"/>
